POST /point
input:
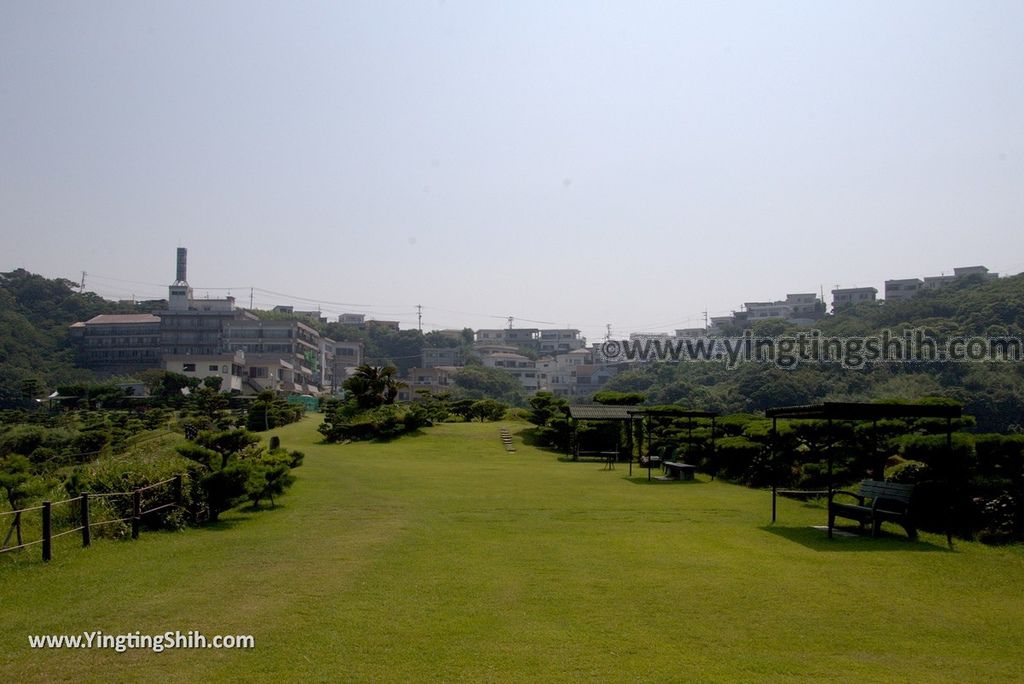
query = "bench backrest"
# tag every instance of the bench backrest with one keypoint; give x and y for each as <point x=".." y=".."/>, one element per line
<point x="891" y="491"/>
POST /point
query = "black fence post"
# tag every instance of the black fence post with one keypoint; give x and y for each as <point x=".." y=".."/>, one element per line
<point x="177" y="489"/>
<point x="47" y="531"/>
<point x="136" y="513"/>
<point x="86" y="535"/>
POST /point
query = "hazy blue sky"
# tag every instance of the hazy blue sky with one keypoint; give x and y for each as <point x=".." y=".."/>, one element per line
<point x="582" y="163"/>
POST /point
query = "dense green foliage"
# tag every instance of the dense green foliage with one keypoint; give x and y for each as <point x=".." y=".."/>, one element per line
<point x="269" y="411"/>
<point x="481" y="382"/>
<point x="35" y="350"/>
<point x="347" y="421"/>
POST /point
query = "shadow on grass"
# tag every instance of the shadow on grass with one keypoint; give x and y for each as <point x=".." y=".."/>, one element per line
<point x="531" y="438"/>
<point x="817" y="540"/>
<point x="235" y="517"/>
<point x="656" y="480"/>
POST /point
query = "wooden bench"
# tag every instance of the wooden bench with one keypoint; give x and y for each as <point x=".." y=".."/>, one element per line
<point x="679" y="471"/>
<point x="877" y="502"/>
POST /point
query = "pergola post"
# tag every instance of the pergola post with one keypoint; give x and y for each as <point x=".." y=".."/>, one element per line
<point x="828" y="451"/>
<point x="774" y="446"/>
<point x="949" y="482"/>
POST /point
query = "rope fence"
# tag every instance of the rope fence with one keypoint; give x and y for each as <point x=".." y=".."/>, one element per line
<point x="86" y="524"/>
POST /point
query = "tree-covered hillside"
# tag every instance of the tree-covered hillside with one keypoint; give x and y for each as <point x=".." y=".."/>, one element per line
<point x="35" y="352"/>
<point x="993" y="392"/>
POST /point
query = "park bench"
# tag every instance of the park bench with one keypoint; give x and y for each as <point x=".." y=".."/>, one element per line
<point x="877" y="502"/>
<point x="679" y="471"/>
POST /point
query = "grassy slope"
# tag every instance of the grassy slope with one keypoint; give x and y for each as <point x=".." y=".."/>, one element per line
<point x="440" y="557"/>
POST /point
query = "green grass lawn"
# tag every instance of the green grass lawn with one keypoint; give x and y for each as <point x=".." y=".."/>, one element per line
<point x="440" y="557"/>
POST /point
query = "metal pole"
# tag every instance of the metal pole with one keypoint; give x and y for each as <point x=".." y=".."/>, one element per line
<point x="774" y="445"/>
<point x="47" y="531"/>
<point x="828" y="449"/>
<point x="136" y="513"/>
<point x="949" y="482"/>
<point x="86" y="535"/>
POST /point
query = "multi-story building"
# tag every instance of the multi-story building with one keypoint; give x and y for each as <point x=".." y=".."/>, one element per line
<point x="516" y="337"/>
<point x="558" y="373"/>
<point x="229" y="367"/>
<point x="522" y="368"/>
<point x="560" y="340"/>
<point x="282" y="354"/>
<point x="194" y="326"/>
<point x="849" y="296"/>
<point x="910" y="287"/>
<point x="316" y="316"/>
<point x="419" y="380"/>
<point x="903" y="288"/>
<point x="357" y="320"/>
<point x="431" y="357"/>
<point x="118" y="344"/>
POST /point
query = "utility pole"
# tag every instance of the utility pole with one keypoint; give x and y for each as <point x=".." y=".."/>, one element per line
<point x="250" y="298"/>
<point x="705" y="320"/>
<point x="608" y="331"/>
<point x="81" y="287"/>
<point x="510" y="319"/>
<point x="419" y="317"/>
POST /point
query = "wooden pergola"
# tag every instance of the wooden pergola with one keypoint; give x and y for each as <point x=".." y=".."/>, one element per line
<point x="858" y="412"/>
<point x="630" y="416"/>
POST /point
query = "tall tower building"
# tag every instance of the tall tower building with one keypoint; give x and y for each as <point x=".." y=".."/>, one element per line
<point x="179" y="294"/>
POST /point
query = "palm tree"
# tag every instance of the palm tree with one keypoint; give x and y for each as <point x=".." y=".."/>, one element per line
<point x="373" y="386"/>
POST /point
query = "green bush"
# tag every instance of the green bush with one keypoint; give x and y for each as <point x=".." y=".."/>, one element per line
<point x="908" y="472"/>
<point x="387" y="421"/>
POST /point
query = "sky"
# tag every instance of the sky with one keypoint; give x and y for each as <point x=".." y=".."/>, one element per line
<point x="570" y="164"/>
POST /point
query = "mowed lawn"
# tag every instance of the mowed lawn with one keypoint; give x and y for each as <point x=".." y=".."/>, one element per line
<point x="440" y="557"/>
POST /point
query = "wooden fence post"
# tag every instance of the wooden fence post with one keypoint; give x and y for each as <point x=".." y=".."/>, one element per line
<point x="136" y="513"/>
<point x="86" y="535"/>
<point x="47" y="531"/>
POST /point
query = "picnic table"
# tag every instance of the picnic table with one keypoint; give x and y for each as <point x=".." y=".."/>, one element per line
<point x="679" y="471"/>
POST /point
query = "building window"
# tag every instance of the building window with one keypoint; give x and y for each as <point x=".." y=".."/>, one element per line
<point x="214" y="368"/>
<point x="258" y="372"/>
<point x="188" y="368"/>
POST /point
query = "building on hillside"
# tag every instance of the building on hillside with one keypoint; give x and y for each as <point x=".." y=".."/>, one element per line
<point x="228" y="366"/>
<point x="191" y="326"/>
<point x="641" y="336"/>
<point x="522" y="368"/>
<point x="800" y="309"/>
<point x="936" y="282"/>
<point x="316" y="316"/>
<point x="357" y="320"/>
<point x="558" y="373"/>
<point x="516" y="337"/>
<point x="117" y="344"/>
<point x="846" y="297"/>
<point x="420" y="380"/>
<point x="287" y="354"/>
<point x="964" y="271"/>
<point x="560" y="340"/>
<point x="348" y="354"/>
<point x="431" y="357"/>
<point x="905" y="288"/>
